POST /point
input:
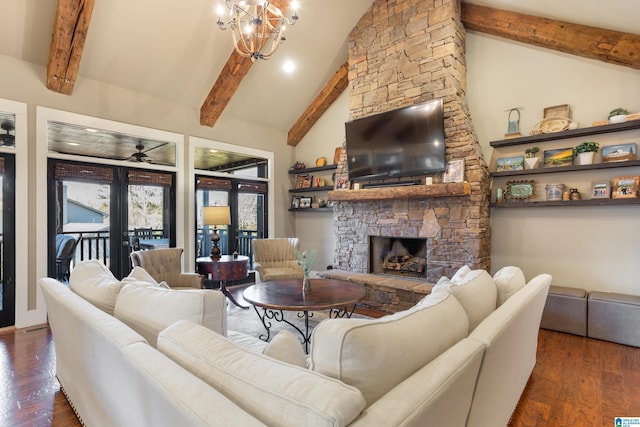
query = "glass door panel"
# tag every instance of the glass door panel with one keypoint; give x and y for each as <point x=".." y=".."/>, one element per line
<point x="7" y="240"/>
<point x="205" y="232"/>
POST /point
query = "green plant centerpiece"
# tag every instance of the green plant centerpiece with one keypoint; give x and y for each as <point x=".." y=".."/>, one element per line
<point x="305" y="260"/>
<point x="585" y="152"/>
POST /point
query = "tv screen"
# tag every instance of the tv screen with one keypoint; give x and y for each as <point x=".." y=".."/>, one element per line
<point x="405" y="142"/>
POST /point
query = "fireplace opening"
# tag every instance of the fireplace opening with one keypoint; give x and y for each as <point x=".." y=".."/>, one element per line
<point x="398" y="255"/>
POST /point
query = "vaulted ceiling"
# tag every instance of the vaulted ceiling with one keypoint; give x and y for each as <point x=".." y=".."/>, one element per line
<point x="174" y="51"/>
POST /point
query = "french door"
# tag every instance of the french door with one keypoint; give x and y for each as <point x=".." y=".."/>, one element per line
<point x="101" y="207"/>
<point x="7" y="240"/>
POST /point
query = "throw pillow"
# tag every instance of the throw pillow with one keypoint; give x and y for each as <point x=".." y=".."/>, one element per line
<point x="508" y="280"/>
<point x="148" y="309"/>
<point x="274" y="392"/>
<point x="286" y="347"/>
<point x="478" y="295"/>
<point x="94" y="282"/>
<point x="375" y="355"/>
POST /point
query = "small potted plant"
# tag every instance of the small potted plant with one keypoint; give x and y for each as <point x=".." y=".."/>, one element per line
<point x="619" y="115"/>
<point x="585" y="152"/>
<point x="530" y="157"/>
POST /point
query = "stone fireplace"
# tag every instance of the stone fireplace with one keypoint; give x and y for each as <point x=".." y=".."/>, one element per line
<point x="404" y="52"/>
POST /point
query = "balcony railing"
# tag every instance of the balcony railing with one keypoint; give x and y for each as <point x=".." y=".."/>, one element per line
<point x="95" y="244"/>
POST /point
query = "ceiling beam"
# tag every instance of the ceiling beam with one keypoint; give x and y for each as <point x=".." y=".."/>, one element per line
<point x="228" y="81"/>
<point x="67" y="43"/>
<point x="331" y="91"/>
<point x="590" y="42"/>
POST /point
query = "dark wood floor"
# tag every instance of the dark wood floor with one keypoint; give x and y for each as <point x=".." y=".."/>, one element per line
<point x="576" y="382"/>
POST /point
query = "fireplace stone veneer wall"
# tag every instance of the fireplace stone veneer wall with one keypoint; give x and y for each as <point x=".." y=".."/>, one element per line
<point x="404" y="52"/>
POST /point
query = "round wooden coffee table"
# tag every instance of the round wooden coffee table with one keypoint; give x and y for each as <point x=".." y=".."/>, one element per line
<point x="337" y="296"/>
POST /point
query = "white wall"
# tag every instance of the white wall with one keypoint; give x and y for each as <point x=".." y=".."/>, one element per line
<point x="315" y="229"/>
<point x="591" y="247"/>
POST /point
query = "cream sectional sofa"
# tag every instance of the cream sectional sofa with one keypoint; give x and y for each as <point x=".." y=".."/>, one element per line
<point x="430" y="365"/>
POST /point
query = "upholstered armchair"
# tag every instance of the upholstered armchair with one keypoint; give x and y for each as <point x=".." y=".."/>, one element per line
<point x="275" y="259"/>
<point x="164" y="266"/>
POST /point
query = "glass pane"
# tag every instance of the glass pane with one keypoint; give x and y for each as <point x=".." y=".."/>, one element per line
<point x="250" y="221"/>
<point x="82" y="213"/>
<point x="7" y="134"/>
<point x="205" y="232"/>
<point x="79" y="140"/>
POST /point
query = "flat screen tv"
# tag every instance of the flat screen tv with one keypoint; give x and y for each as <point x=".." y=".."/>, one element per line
<point x="408" y="141"/>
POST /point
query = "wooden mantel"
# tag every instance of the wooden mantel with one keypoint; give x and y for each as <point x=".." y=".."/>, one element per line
<point x="450" y="189"/>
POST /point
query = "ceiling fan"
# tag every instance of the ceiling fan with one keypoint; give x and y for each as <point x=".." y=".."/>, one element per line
<point x="140" y="156"/>
<point x="7" y="138"/>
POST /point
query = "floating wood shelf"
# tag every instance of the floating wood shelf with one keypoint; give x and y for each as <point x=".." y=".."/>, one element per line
<point x="451" y="189"/>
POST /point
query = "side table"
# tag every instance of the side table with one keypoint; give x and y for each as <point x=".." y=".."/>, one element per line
<point x="223" y="269"/>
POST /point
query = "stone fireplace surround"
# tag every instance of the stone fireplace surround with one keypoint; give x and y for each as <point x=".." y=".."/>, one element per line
<point x="404" y="52"/>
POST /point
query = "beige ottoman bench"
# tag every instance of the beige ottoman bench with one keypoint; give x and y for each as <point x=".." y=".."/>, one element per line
<point x="565" y="310"/>
<point x="614" y="317"/>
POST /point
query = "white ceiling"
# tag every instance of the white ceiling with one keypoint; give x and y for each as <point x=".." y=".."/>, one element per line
<point x="173" y="49"/>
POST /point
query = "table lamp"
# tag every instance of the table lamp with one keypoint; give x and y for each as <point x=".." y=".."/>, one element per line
<point x="216" y="215"/>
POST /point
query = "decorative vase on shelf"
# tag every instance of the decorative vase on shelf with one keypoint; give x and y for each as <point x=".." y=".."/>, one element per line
<point x="531" y="162"/>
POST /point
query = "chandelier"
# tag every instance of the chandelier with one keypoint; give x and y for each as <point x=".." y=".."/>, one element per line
<point x="257" y="27"/>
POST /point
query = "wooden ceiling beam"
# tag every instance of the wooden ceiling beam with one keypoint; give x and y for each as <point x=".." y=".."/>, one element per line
<point x="327" y="96"/>
<point x="590" y="42"/>
<point x="67" y="43"/>
<point x="228" y="81"/>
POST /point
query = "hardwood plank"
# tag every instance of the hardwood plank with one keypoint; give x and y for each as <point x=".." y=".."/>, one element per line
<point x="590" y="42"/>
<point x="69" y="35"/>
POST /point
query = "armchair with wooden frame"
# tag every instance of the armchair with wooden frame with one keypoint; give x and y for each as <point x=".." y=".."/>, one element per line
<point x="276" y="259"/>
<point x="164" y="265"/>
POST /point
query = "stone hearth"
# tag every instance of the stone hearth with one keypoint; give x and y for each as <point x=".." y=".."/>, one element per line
<point x="404" y="52"/>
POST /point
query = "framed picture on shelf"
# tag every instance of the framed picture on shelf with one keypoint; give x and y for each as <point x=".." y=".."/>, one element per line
<point x="618" y="153"/>
<point x="305" y="202"/>
<point x="300" y="181"/>
<point x="558" y="157"/>
<point x="454" y="171"/>
<point x="505" y="164"/>
<point x="625" y="187"/>
<point x="600" y="190"/>
<point x="295" y="202"/>
<point x="306" y="183"/>
<point x="342" y="183"/>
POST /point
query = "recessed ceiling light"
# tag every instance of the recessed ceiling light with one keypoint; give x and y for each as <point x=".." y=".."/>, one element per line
<point x="73" y="144"/>
<point x="288" y="66"/>
<point x="211" y="150"/>
<point x="91" y="130"/>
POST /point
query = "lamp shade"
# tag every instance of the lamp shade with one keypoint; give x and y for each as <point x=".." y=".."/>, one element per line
<point x="216" y="215"/>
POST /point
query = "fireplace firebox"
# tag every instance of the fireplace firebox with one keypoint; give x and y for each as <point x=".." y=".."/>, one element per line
<point x="398" y="256"/>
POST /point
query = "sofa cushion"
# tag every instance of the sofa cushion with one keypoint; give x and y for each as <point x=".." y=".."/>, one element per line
<point x="375" y="355"/>
<point x="139" y="274"/>
<point x="477" y="293"/>
<point x="94" y="282"/>
<point x="149" y="309"/>
<point x="508" y="280"/>
<point x="276" y="393"/>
